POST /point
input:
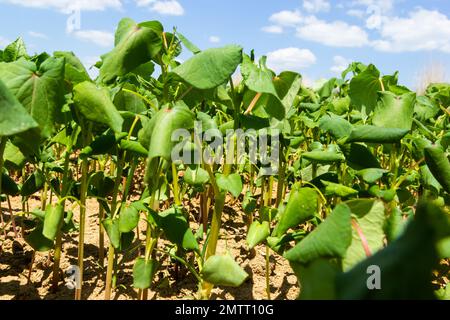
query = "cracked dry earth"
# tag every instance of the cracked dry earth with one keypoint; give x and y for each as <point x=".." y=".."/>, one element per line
<point x="18" y="281"/>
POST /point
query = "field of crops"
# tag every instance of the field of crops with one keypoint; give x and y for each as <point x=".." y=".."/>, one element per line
<point x="216" y="178"/>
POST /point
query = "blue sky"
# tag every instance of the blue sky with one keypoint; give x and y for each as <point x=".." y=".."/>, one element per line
<point x="315" y="37"/>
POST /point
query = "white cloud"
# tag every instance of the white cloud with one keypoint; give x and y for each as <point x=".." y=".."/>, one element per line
<point x="333" y="34"/>
<point x="163" y="7"/>
<point x="286" y="18"/>
<point x="39" y="35"/>
<point x="100" y="38"/>
<point x="273" y="29"/>
<point x="315" y="6"/>
<point x="381" y="5"/>
<point x="356" y="13"/>
<point x="4" y="42"/>
<point x="290" y="59"/>
<point x="69" y="5"/>
<point x="375" y="11"/>
<point x="214" y="39"/>
<point x="340" y="64"/>
<point x="421" y="30"/>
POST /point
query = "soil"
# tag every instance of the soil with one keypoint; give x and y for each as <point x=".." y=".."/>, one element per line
<point x="19" y="281"/>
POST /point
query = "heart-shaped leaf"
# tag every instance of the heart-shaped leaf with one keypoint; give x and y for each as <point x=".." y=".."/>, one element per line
<point x="331" y="239"/>
<point x="302" y="205"/>
<point x="223" y="271"/>
<point x="257" y="233"/>
<point x="13" y="116"/>
<point x="128" y="219"/>
<point x="134" y="46"/>
<point x="143" y="272"/>
<point x="231" y="183"/>
<point x="39" y="90"/>
<point x="54" y="217"/>
<point x="210" y="68"/>
<point x="95" y="104"/>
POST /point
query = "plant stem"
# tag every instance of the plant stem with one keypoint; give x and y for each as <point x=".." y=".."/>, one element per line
<point x="101" y="235"/>
<point x="44" y="191"/>
<point x="56" y="260"/>
<point x="111" y="253"/>
<point x="2" y="151"/>
<point x="83" y="196"/>
<point x="176" y="188"/>
<point x="268" y="272"/>
<point x="213" y="238"/>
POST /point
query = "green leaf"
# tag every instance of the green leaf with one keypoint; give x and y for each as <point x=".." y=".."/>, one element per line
<point x="359" y="156"/>
<point x="128" y="219"/>
<point x="426" y="108"/>
<point x="134" y="147"/>
<point x="14" y="51"/>
<point x="317" y="279"/>
<point x="428" y="180"/>
<point x="443" y="247"/>
<point x="373" y="134"/>
<point x="249" y="203"/>
<point x="340" y="106"/>
<point x="336" y="126"/>
<point x="113" y="232"/>
<point x="371" y="175"/>
<point x="39" y="90"/>
<point x="287" y="85"/>
<point x="13" y="116"/>
<point x="395" y="111"/>
<point x="335" y="189"/>
<point x="439" y="165"/>
<point x="75" y="72"/>
<point x="395" y="225"/>
<point x="210" y="68"/>
<point x="176" y="229"/>
<point x="33" y="184"/>
<point x="326" y="90"/>
<point x="143" y="272"/>
<point x="231" y="183"/>
<point x="127" y="101"/>
<point x="364" y="88"/>
<point x="196" y="177"/>
<point x="14" y="158"/>
<point x="101" y="145"/>
<point x="325" y="157"/>
<point x="157" y="134"/>
<point x="9" y="186"/>
<point x="134" y="45"/>
<point x="260" y="80"/>
<point x="95" y="104"/>
<point x="257" y="233"/>
<point x="367" y="231"/>
<point x="188" y="44"/>
<point x="302" y="206"/>
<point x="416" y="249"/>
<point x="331" y="239"/>
<point x="54" y="216"/>
<point x="37" y="240"/>
<point x="443" y="293"/>
<point x="223" y="271"/>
